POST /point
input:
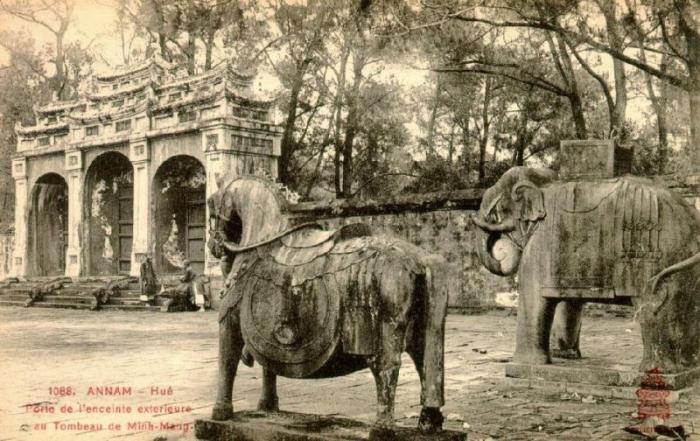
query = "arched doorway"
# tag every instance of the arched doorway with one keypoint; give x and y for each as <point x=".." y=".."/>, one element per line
<point x="180" y="214"/>
<point x="47" y="238"/>
<point x="109" y="220"/>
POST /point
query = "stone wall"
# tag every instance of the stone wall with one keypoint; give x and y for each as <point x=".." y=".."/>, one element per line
<point x="438" y="222"/>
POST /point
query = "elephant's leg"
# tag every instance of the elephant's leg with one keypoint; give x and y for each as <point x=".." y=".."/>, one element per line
<point x="535" y="315"/>
<point x="230" y="346"/>
<point x="566" y="329"/>
<point x="268" y="400"/>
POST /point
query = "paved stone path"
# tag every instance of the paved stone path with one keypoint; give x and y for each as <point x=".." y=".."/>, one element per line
<point x="43" y="350"/>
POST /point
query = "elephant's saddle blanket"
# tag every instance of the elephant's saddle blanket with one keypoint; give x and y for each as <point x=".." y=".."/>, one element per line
<point x="304" y="296"/>
<point x="604" y="238"/>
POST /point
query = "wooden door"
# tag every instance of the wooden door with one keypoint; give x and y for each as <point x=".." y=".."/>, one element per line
<point x="195" y="233"/>
<point x="125" y="225"/>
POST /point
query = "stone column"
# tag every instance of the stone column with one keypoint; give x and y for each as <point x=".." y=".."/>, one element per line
<point x="139" y="154"/>
<point x="216" y="146"/>
<point x="19" y="257"/>
<point x="74" y="173"/>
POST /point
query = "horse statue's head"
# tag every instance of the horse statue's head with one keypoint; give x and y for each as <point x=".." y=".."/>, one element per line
<point x="245" y="211"/>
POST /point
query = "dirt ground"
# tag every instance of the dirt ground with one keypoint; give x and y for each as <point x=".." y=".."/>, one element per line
<point x="144" y="376"/>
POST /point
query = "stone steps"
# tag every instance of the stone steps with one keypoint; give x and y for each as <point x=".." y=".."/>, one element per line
<point x="75" y="295"/>
<point x="7" y="302"/>
<point x="60" y="298"/>
<point x="17" y="297"/>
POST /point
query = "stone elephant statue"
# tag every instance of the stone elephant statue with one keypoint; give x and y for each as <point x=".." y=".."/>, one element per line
<point x="624" y="240"/>
<point x="306" y="302"/>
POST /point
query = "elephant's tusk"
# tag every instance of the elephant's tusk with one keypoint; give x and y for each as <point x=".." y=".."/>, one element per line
<point x="680" y="266"/>
<point x="505" y="226"/>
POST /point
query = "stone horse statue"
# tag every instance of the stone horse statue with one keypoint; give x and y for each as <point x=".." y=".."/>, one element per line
<point x="311" y="303"/>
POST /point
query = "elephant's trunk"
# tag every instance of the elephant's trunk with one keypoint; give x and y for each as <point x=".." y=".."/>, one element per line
<point x="484" y="248"/>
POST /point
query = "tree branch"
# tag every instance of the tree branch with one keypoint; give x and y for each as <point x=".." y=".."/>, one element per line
<point x="672" y="79"/>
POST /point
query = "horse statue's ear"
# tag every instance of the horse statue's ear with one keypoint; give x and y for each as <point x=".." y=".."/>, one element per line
<point x="219" y="180"/>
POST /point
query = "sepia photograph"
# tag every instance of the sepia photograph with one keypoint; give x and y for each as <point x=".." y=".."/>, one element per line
<point x="349" y="220"/>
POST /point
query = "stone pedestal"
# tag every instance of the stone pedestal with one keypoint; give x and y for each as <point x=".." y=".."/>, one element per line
<point x="568" y="376"/>
<point x="593" y="158"/>
<point x="287" y="426"/>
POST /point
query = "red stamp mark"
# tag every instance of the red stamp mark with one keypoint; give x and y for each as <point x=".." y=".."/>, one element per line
<point x="652" y="396"/>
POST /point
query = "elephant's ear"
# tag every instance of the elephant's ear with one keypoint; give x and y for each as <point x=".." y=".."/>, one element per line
<point x="529" y="200"/>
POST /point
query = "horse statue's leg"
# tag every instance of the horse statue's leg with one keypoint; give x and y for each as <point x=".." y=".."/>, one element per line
<point x="268" y="400"/>
<point x="385" y="367"/>
<point x="230" y="347"/>
<point x="426" y="348"/>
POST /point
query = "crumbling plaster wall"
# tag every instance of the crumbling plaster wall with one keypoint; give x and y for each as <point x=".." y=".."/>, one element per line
<point x="104" y="173"/>
<point x="166" y="242"/>
<point x="179" y="181"/>
<point x="47" y="222"/>
<point x="36" y="168"/>
<point x="438" y="222"/>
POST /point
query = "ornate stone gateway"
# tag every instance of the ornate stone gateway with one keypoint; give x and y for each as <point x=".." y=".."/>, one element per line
<point x="118" y="138"/>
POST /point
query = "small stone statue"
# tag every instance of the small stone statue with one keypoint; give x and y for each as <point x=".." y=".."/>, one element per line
<point x="148" y="281"/>
<point x="181" y="298"/>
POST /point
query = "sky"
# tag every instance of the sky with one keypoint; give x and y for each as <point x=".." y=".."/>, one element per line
<point x="92" y="20"/>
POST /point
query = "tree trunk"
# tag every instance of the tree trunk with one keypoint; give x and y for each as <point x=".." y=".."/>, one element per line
<point x="350" y="132"/>
<point x="430" y="141"/>
<point x="373" y="161"/>
<point x="574" y="96"/>
<point x="617" y="43"/>
<point x="577" y="113"/>
<point x="451" y="145"/>
<point x="337" y="181"/>
<point x="521" y="140"/>
<point x="288" y="144"/>
<point x="208" y="47"/>
<point x="465" y="146"/>
<point x="60" y="78"/>
<point x="694" y="96"/>
<point x="163" y="45"/>
<point x="693" y="42"/>
<point x="485" y="129"/>
<point x="352" y="123"/>
<point x="191" y="52"/>
<point x="658" y="103"/>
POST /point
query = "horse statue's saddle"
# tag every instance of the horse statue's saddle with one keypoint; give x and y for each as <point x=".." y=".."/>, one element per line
<point x="292" y="290"/>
